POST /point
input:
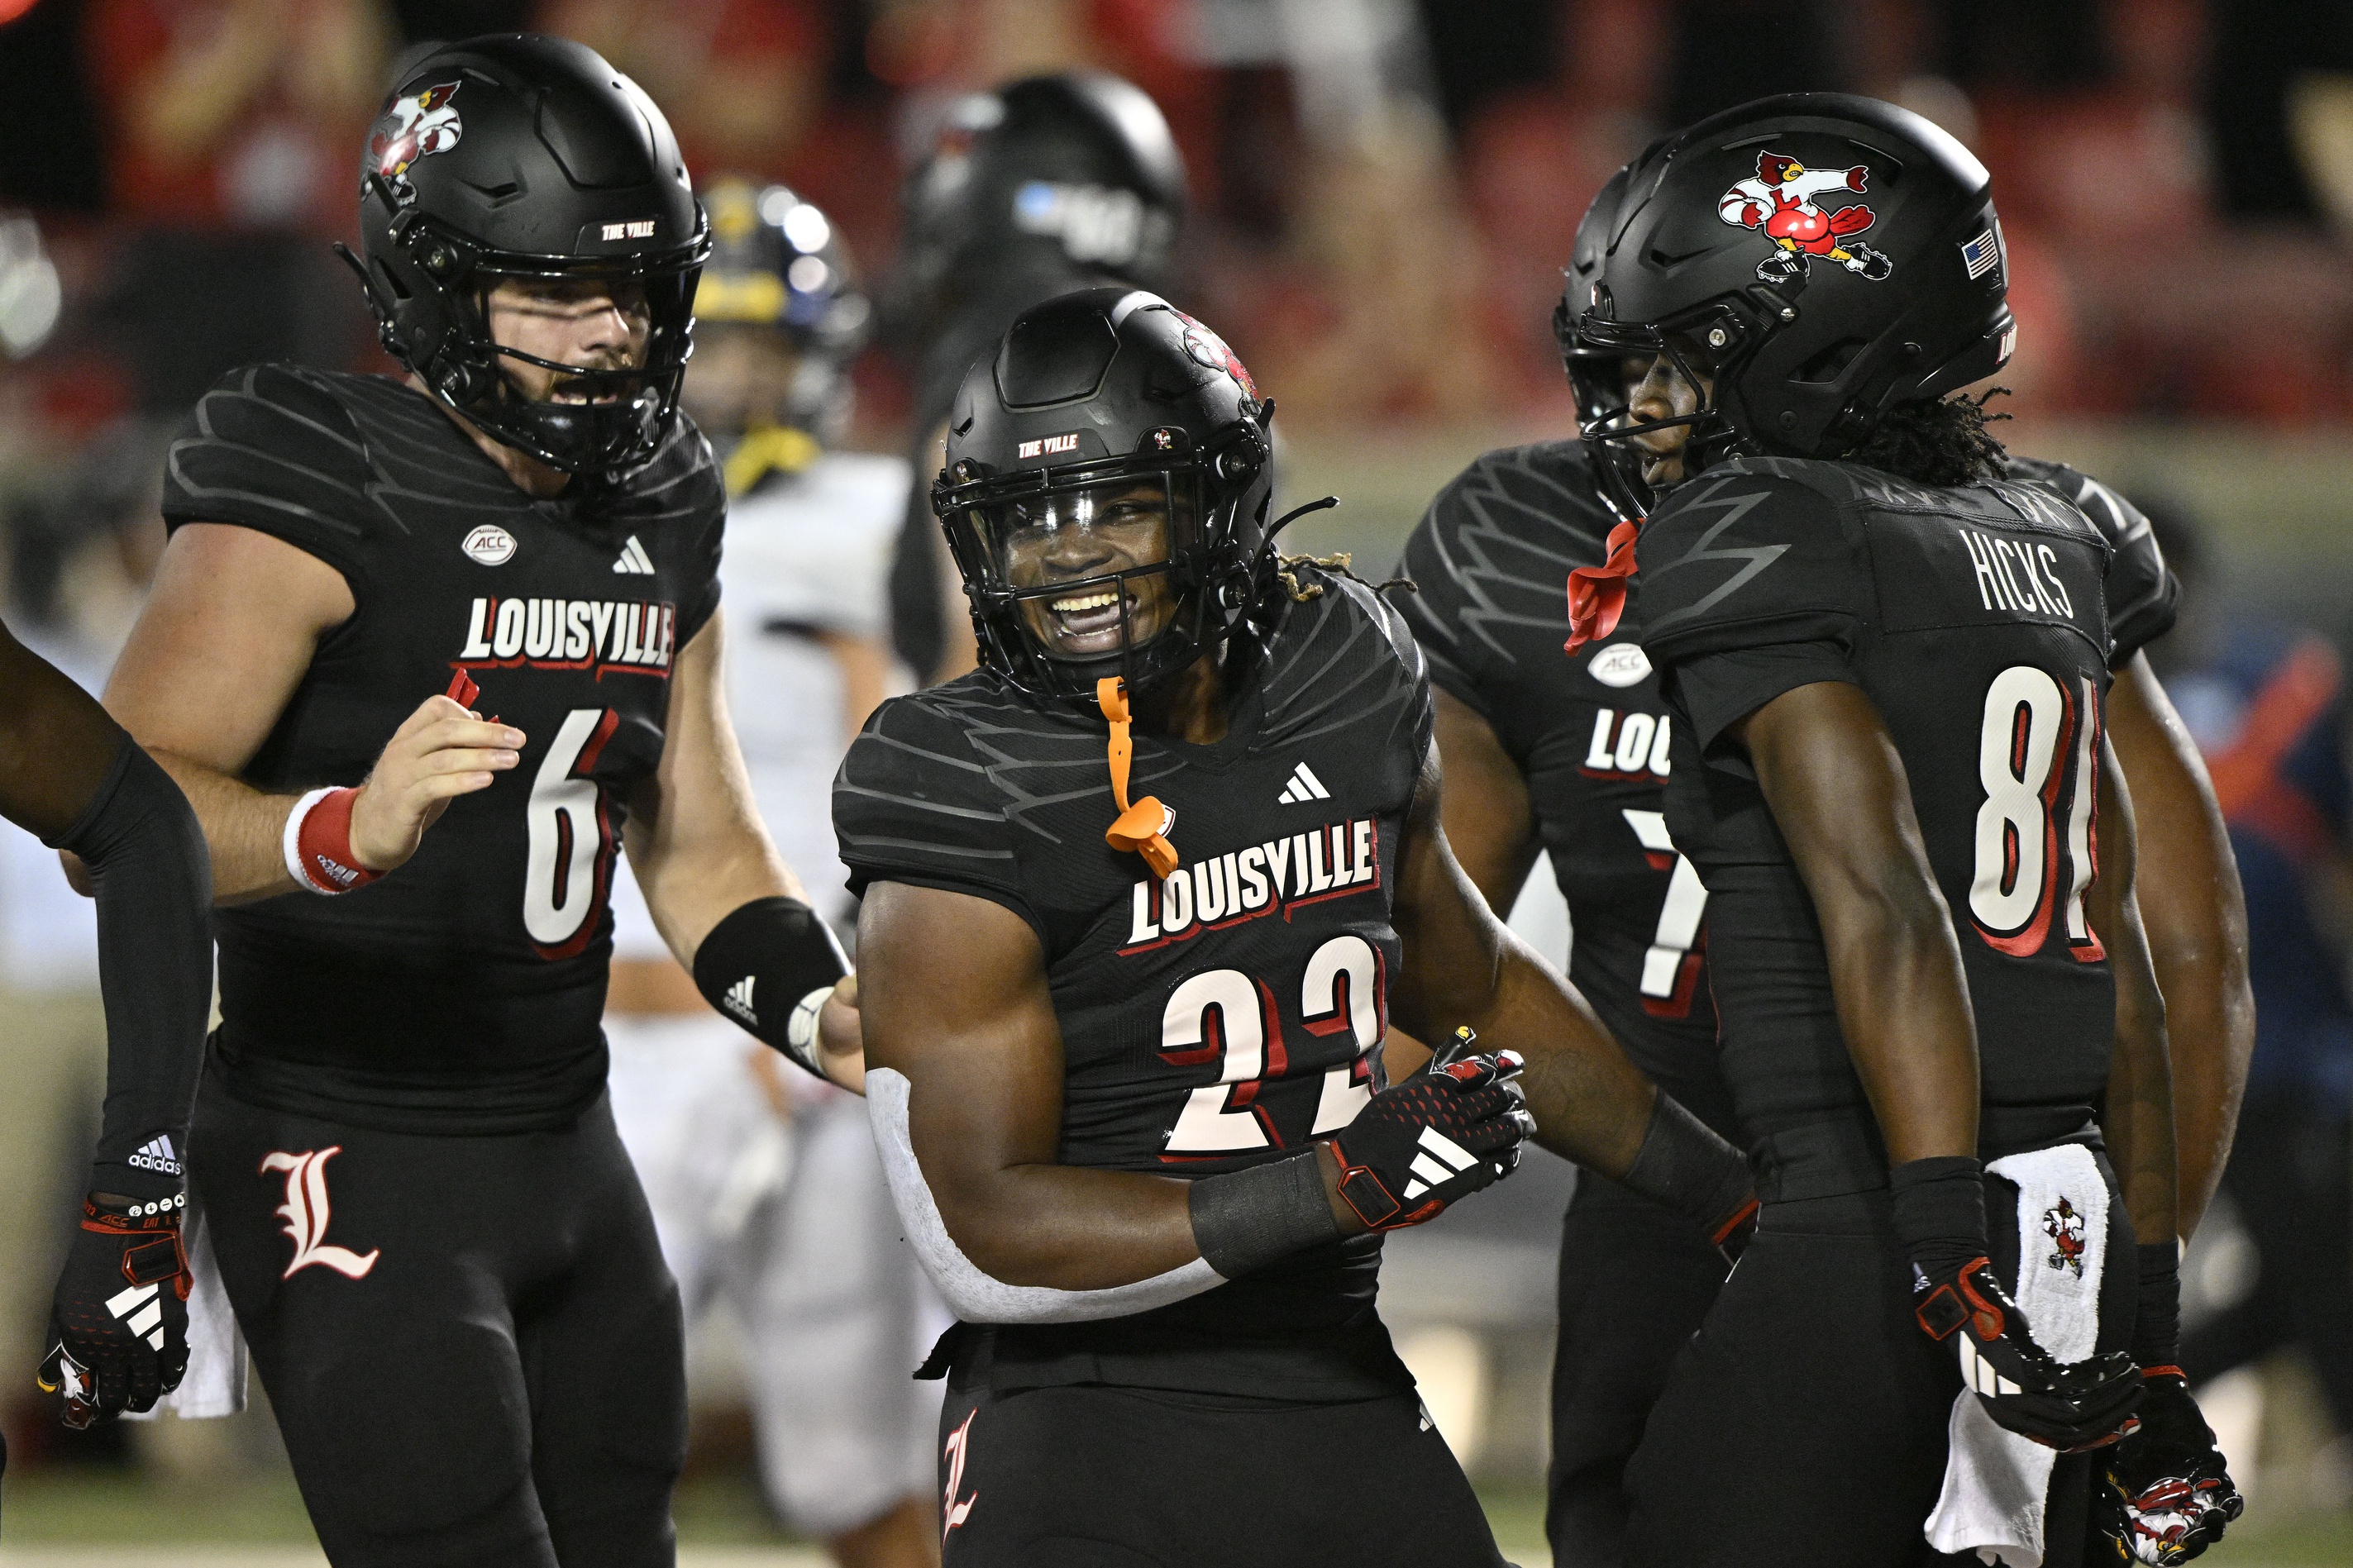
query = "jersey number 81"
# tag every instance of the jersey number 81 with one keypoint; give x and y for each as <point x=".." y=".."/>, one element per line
<point x="2038" y="762"/>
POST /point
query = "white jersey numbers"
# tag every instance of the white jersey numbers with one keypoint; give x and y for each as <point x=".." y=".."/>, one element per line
<point x="570" y="859"/>
<point x="2038" y="762"/>
<point x="1226" y="1016"/>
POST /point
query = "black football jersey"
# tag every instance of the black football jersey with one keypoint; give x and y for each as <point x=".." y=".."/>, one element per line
<point x="2143" y="596"/>
<point x="1977" y="618"/>
<point x="463" y="991"/>
<point x="1590" y="732"/>
<point x="1228" y="1015"/>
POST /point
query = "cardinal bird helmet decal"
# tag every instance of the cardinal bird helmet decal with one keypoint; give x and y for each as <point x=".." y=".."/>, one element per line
<point x="1778" y="200"/>
<point x="416" y="126"/>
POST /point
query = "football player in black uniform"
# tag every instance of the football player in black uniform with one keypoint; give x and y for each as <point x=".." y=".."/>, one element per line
<point x="1891" y="669"/>
<point x="1045" y="185"/>
<point x="1573" y="757"/>
<point x="433" y="1240"/>
<point x="1131" y="1085"/>
<point x="119" y="1322"/>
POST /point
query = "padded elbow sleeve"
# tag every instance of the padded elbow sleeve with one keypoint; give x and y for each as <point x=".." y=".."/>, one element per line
<point x="972" y="1295"/>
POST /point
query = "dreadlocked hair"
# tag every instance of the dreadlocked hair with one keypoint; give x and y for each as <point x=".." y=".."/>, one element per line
<point x="1941" y="442"/>
<point x="1287" y="574"/>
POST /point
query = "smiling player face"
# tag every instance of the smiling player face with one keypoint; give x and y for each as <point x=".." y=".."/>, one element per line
<point x="1076" y="535"/>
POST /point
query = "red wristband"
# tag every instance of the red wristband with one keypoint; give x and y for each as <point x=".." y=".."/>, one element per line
<point x="318" y="843"/>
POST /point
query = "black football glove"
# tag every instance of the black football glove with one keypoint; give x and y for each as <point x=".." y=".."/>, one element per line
<point x="2082" y="1404"/>
<point x="119" y="1323"/>
<point x="2166" y="1494"/>
<point x="1433" y="1140"/>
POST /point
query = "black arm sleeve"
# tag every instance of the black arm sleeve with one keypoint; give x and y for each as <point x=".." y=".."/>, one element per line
<point x="146" y="854"/>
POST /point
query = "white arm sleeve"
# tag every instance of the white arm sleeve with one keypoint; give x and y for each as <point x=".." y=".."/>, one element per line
<point x="972" y="1295"/>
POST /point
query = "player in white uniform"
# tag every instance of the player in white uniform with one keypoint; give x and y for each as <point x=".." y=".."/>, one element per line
<point x="766" y="1192"/>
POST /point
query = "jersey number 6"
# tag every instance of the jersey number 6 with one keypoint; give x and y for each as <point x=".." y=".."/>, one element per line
<point x="571" y="837"/>
<point x="2038" y="761"/>
<point x="1225" y="1013"/>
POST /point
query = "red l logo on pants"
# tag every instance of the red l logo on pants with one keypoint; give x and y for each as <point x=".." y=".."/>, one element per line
<point x="306" y="1211"/>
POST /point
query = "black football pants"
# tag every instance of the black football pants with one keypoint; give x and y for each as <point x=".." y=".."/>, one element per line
<point x="1804" y="1426"/>
<point x="1094" y="1477"/>
<point x="1636" y="1280"/>
<point x="473" y="1350"/>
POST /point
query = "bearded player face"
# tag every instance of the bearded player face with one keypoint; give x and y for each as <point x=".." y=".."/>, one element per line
<point x="587" y="323"/>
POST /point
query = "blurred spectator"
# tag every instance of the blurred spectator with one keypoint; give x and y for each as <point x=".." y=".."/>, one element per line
<point x="233" y="131"/>
<point x="49" y="124"/>
<point x="2266" y="704"/>
<point x="2259" y="48"/>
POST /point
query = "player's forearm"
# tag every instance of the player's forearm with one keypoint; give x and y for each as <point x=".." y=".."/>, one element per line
<point x="2138" y="1116"/>
<point x="1589" y="1101"/>
<point x="1904" y="1008"/>
<point x="691" y="883"/>
<point x="2196" y="919"/>
<point x="1068" y="1228"/>
<point x="245" y="829"/>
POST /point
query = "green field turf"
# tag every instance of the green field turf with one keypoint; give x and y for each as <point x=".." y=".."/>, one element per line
<point x="46" y="1511"/>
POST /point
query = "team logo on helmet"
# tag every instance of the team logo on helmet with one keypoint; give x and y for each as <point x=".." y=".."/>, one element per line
<point x="2065" y="1227"/>
<point x="1778" y="200"/>
<point x="416" y="126"/>
<point x="1209" y="352"/>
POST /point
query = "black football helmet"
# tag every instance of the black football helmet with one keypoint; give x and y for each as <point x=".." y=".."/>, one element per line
<point x="1739" y="250"/>
<point x="777" y="262"/>
<point x="1100" y="412"/>
<point x="1071" y="176"/>
<point x="518" y="156"/>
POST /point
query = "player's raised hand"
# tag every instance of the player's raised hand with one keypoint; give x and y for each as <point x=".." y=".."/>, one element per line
<point x="441" y="751"/>
<point x="839" y="1054"/>
<point x="1449" y="1130"/>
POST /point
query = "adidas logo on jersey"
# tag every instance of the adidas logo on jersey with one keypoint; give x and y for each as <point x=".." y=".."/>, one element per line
<point x="571" y="634"/>
<point x="1281" y="874"/>
<point x="635" y="559"/>
<point x="738" y="1001"/>
<point x="1303" y="786"/>
<point x="158" y="1155"/>
<point x="1440" y="1161"/>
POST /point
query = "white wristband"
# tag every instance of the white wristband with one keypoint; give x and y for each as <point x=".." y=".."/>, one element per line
<point x="800" y="1029"/>
<point x="292" y="841"/>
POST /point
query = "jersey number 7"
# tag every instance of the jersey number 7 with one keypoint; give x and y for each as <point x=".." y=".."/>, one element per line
<point x="2038" y="761"/>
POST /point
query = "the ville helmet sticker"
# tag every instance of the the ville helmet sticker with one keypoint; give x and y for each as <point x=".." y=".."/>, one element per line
<point x="1778" y="200"/>
<point x="416" y="126"/>
<point x="1209" y="350"/>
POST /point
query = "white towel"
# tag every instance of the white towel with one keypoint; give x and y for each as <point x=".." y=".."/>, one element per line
<point x="1997" y="1483"/>
<point x="213" y="1383"/>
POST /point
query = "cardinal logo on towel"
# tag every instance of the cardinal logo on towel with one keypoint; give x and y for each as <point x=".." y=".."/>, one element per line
<point x="2065" y="1227"/>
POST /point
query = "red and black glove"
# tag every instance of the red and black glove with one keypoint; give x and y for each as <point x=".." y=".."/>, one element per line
<point x="1939" y="1212"/>
<point x="2166" y="1494"/>
<point x="1449" y="1130"/>
<point x="119" y="1323"/>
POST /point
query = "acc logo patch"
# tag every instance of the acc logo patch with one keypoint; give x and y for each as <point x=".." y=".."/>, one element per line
<point x="1209" y="352"/>
<point x="489" y="544"/>
<point x="1778" y="200"/>
<point x="1621" y="664"/>
<point x="416" y="126"/>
